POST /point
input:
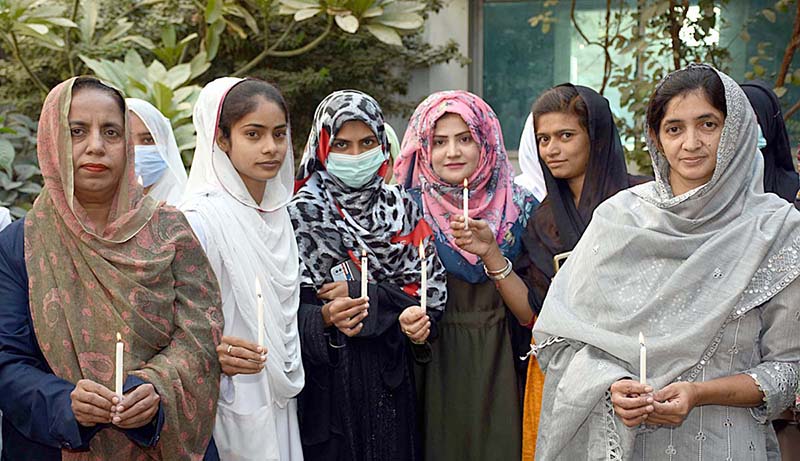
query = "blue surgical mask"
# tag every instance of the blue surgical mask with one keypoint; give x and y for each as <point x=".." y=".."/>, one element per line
<point x="356" y="170"/>
<point x="762" y="143"/>
<point x="149" y="164"/>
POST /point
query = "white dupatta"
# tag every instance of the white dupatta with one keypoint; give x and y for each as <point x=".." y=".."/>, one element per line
<point x="245" y="240"/>
<point x="169" y="187"/>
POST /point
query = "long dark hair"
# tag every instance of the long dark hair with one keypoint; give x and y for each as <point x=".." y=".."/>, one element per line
<point x="564" y="99"/>
<point x="244" y="98"/>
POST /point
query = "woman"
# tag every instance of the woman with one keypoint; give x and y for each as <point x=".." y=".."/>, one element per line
<point x="239" y="186"/>
<point x="700" y="262"/>
<point x="780" y="175"/>
<point x="471" y="381"/>
<point x="158" y="160"/>
<point x="359" y="400"/>
<point x="93" y="258"/>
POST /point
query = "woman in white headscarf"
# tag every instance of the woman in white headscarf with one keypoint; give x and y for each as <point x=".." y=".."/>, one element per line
<point x="240" y="183"/>
<point x="532" y="177"/>
<point x="705" y="266"/>
<point x="158" y="160"/>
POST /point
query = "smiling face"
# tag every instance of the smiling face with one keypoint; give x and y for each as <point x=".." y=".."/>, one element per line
<point x="353" y="138"/>
<point x="454" y="153"/>
<point x="257" y="145"/>
<point x="97" y="129"/>
<point x="563" y="144"/>
<point x="689" y="137"/>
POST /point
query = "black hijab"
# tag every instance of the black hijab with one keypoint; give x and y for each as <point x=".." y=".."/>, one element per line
<point x="558" y="224"/>
<point x="780" y="176"/>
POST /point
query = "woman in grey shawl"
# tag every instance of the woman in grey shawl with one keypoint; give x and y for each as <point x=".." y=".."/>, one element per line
<point x="704" y="264"/>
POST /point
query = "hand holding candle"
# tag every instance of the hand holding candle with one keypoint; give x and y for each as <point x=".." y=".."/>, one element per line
<point x="642" y="360"/>
<point x="260" y="312"/>
<point x="466" y="203"/>
<point x="364" y="273"/>
<point x="423" y="289"/>
<point x="118" y="370"/>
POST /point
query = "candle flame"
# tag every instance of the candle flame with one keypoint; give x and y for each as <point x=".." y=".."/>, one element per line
<point x="363" y="253"/>
<point x="421" y="249"/>
<point x="466" y="183"/>
<point x="641" y="339"/>
<point x="119" y="337"/>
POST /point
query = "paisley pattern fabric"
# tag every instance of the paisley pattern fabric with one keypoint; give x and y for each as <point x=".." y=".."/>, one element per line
<point x="145" y="277"/>
<point x="334" y="222"/>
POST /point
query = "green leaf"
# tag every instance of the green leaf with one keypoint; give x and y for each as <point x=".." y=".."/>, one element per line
<point x="168" y="36"/>
<point x="769" y="15"/>
<point x="199" y="64"/>
<point x="122" y="28"/>
<point x="213" y="11"/>
<point x="178" y="75"/>
<point x="63" y="22"/>
<point x="25" y="172"/>
<point x="779" y="91"/>
<point x="30" y="188"/>
<point x="759" y="70"/>
<point x="385" y="34"/>
<point x="162" y="96"/>
<point x="144" y="42"/>
<point x="302" y="15"/>
<point x="33" y="29"/>
<point x="745" y="36"/>
<point x="347" y="23"/>
<point x="401" y="21"/>
<point x="373" y="12"/>
<point x="301" y="4"/>
<point x="6" y="155"/>
<point x="88" y="21"/>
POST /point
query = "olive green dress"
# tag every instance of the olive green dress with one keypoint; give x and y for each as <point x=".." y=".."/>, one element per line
<point x="469" y="393"/>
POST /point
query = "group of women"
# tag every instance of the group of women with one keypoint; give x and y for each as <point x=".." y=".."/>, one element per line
<point x="328" y="315"/>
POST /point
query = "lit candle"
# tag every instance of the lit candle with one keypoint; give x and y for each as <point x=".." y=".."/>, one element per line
<point x="118" y="369"/>
<point x="260" y="312"/>
<point x="642" y="360"/>
<point x="364" y="273"/>
<point x="466" y="203"/>
<point x="424" y="287"/>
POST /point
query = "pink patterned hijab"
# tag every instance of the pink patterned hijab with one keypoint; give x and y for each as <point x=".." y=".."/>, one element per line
<point x="145" y="276"/>
<point x="491" y="185"/>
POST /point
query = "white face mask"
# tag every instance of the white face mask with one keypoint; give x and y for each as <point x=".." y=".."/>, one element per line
<point x="149" y="164"/>
<point x="356" y="170"/>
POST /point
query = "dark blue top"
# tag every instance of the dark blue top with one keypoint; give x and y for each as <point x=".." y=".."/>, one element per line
<point x="37" y="414"/>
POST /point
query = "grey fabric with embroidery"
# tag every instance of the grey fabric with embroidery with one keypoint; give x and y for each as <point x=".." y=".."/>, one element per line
<point x="683" y="271"/>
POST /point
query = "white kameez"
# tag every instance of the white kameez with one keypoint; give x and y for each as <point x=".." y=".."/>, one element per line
<point x="257" y="414"/>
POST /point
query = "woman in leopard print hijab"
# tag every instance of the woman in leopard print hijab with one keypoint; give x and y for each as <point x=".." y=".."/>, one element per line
<point x="359" y="400"/>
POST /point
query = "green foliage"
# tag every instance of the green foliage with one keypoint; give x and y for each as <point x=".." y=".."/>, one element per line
<point x="20" y="177"/>
<point x="163" y="51"/>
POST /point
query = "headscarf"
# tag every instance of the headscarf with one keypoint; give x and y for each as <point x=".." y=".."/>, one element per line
<point x="532" y="177"/>
<point x="247" y="240"/>
<point x="169" y="187"/>
<point x="334" y="222"/>
<point x="558" y="224"/>
<point x="5" y="218"/>
<point x="145" y="276"/>
<point x="780" y="176"/>
<point x="676" y="268"/>
<point x="491" y="187"/>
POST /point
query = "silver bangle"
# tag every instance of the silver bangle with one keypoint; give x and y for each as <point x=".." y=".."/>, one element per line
<point x="501" y="274"/>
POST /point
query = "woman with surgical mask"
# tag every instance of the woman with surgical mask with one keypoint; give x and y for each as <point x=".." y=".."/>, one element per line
<point x="159" y="167"/>
<point x="358" y="340"/>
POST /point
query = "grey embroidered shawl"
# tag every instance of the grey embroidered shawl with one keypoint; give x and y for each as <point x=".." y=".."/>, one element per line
<point x="677" y="269"/>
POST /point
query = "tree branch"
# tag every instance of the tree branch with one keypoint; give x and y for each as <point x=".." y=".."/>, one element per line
<point x="789" y="53"/>
<point x="674" y="32"/>
<point x="788" y="114"/>
<point x="271" y="51"/>
<point x="68" y="38"/>
<point x="18" y="56"/>
<point x="606" y="44"/>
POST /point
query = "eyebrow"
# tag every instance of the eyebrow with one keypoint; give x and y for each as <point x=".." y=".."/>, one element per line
<point x="456" y="135"/>
<point x="699" y="117"/>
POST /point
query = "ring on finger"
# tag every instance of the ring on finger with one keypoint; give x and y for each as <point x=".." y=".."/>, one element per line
<point x="230" y="346"/>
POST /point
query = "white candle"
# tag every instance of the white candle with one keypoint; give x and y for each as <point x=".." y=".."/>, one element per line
<point x="118" y="370"/>
<point x="260" y="312"/>
<point x="466" y="203"/>
<point x="140" y="181"/>
<point x="364" y="273"/>
<point x="424" y="287"/>
<point x="642" y="360"/>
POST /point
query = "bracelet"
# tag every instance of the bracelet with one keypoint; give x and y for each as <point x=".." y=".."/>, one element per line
<point x="501" y="274"/>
